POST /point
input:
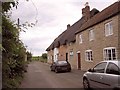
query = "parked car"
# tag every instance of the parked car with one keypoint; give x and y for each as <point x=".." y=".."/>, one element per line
<point x="60" y="66"/>
<point x="105" y="74"/>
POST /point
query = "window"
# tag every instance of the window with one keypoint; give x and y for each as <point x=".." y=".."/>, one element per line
<point x="108" y="28"/>
<point x="100" y="68"/>
<point x="71" y="53"/>
<point x="61" y="62"/>
<point x="91" y="35"/>
<point x="52" y="57"/>
<point x="48" y="57"/>
<point x="80" y="37"/>
<point x="110" y="53"/>
<point x="113" y="69"/>
<point x="88" y="55"/>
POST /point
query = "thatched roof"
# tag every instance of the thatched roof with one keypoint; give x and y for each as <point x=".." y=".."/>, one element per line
<point x="95" y="17"/>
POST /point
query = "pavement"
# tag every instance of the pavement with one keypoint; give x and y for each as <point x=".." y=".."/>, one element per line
<point x="39" y="75"/>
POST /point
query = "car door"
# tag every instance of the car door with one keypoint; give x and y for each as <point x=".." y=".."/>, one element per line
<point x="96" y="76"/>
<point x="112" y="76"/>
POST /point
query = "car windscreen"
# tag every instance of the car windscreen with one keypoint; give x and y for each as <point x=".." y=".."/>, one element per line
<point x="61" y="62"/>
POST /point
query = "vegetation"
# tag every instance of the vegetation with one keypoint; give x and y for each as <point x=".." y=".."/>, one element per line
<point x="44" y="55"/>
<point x="29" y="56"/>
<point x="39" y="58"/>
<point x="13" y="50"/>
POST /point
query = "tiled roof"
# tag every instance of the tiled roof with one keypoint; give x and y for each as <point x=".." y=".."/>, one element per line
<point x="101" y="16"/>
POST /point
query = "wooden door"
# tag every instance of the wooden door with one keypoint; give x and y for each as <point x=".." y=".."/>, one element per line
<point x="66" y="56"/>
<point x="79" y="61"/>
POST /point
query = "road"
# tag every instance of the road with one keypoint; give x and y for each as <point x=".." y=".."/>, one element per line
<point x="39" y="76"/>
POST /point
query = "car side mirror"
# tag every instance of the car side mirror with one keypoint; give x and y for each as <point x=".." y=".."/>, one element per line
<point x="91" y="70"/>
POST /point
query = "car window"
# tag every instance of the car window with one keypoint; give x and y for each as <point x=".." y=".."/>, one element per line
<point x="62" y="62"/>
<point x="113" y="69"/>
<point x="100" y="68"/>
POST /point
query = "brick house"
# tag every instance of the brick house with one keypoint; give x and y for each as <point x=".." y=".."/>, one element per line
<point x="93" y="38"/>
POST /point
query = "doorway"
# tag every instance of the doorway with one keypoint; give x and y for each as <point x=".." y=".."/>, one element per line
<point x="79" y="61"/>
<point x="66" y="56"/>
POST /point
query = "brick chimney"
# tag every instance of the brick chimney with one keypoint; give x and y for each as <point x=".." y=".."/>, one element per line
<point x="68" y="26"/>
<point x="86" y="11"/>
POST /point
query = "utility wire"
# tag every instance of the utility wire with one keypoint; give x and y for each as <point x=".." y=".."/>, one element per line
<point x="36" y="12"/>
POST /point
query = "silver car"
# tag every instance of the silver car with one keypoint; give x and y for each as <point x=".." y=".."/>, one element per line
<point x="105" y="74"/>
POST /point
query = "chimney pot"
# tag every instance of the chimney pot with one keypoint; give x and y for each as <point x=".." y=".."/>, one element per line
<point x="86" y="4"/>
<point x="68" y="26"/>
<point x="86" y="11"/>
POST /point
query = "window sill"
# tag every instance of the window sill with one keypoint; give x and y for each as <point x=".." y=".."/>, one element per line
<point x="89" y="60"/>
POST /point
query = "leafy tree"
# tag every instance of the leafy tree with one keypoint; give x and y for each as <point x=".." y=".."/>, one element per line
<point x="6" y="6"/>
<point x="13" y="52"/>
<point x="44" y="56"/>
<point x="29" y="56"/>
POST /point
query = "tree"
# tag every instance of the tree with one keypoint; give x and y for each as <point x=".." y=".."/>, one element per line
<point x="29" y="56"/>
<point x="44" y="55"/>
<point x="13" y="52"/>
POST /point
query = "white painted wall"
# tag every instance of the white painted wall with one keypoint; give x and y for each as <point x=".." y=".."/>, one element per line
<point x="56" y="52"/>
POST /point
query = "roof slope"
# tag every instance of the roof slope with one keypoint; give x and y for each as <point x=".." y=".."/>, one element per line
<point x="101" y="16"/>
<point x="96" y="17"/>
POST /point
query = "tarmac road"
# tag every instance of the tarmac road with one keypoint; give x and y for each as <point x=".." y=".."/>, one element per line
<point x="39" y="76"/>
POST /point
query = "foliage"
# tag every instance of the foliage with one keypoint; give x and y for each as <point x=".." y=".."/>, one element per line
<point x="36" y="58"/>
<point x="39" y="58"/>
<point x="44" y="56"/>
<point x="29" y="56"/>
<point x="6" y="6"/>
<point x="13" y="52"/>
<point x="13" y="82"/>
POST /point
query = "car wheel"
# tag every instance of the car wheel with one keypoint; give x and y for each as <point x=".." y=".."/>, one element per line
<point x="69" y="70"/>
<point x="56" y="70"/>
<point x="86" y="84"/>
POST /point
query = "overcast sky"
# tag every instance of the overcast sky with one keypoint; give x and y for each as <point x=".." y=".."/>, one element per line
<point x="52" y="18"/>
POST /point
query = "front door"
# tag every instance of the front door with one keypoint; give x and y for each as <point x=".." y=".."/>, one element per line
<point x="66" y="56"/>
<point x="79" y="61"/>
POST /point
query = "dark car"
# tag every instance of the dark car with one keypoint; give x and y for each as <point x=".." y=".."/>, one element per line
<point x="60" y="66"/>
<point x="105" y="74"/>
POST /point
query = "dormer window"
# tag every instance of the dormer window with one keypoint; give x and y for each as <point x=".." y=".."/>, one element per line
<point x="80" y="39"/>
<point x="109" y="29"/>
<point x="91" y="35"/>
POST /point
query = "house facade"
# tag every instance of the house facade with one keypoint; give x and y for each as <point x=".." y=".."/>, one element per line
<point x="93" y="38"/>
<point x="98" y="44"/>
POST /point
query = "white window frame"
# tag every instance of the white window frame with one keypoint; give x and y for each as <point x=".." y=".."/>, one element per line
<point x="51" y="57"/>
<point x="80" y="39"/>
<point x="91" y="35"/>
<point x="109" y="28"/>
<point x="89" y="55"/>
<point x="48" y="57"/>
<point x="106" y="53"/>
<point x="71" y="53"/>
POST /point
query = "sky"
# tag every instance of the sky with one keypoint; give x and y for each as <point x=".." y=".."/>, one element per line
<point x="51" y="18"/>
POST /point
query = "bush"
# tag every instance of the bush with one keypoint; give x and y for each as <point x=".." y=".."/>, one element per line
<point x="44" y="56"/>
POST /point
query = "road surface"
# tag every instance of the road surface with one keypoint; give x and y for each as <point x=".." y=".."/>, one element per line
<point x="39" y="76"/>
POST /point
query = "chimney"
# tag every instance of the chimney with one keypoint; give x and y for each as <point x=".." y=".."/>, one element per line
<point x="68" y="26"/>
<point x="86" y="11"/>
